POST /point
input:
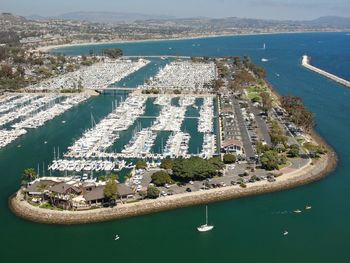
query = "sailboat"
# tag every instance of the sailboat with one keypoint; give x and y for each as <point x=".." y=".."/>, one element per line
<point x="206" y="227"/>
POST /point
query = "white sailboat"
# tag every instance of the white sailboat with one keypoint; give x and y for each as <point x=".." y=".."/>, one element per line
<point x="206" y="227"/>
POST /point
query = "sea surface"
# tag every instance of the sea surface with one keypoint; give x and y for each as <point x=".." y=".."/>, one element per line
<point x="246" y="230"/>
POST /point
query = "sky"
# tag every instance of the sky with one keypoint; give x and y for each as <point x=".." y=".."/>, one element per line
<point x="268" y="9"/>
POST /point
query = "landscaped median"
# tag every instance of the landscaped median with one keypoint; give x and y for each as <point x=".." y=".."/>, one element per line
<point x="312" y="172"/>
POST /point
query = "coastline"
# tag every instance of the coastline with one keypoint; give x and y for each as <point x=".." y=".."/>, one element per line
<point x="52" y="47"/>
<point x="308" y="174"/>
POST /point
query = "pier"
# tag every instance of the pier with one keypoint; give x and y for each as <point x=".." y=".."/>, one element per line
<point x="306" y="63"/>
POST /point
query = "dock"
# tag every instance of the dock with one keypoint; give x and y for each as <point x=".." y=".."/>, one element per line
<point x="306" y="63"/>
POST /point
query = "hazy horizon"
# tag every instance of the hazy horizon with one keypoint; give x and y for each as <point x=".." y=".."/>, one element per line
<point x="265" y="9"/>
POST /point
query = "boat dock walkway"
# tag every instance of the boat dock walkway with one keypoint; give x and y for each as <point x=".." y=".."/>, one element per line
<point x="159" y="56"/>
<point x="306" y="63"/>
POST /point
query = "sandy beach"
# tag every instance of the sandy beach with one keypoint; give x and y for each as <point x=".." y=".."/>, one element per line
<point x="52" y="47"/>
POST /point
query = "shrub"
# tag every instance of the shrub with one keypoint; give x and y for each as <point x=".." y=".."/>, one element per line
<point x="229" y="158"/>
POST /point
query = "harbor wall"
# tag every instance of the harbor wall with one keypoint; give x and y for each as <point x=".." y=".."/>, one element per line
<point x="306" y="63"/>
<point x="306" y="175"/>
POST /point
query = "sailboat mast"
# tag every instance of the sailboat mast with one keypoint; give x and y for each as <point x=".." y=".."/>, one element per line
<point x="206" y="215"/>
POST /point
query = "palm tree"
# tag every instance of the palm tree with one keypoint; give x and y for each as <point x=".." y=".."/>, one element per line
<point x="29" y="175"/>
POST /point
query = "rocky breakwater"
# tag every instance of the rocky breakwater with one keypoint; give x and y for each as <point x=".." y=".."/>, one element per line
<point x="309" y="173"/>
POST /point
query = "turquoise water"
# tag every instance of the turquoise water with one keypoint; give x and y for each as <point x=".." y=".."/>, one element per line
<point x="246" y="230"/>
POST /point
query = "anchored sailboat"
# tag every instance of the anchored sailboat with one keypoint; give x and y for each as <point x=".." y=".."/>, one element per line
<point x="206" y="227"/>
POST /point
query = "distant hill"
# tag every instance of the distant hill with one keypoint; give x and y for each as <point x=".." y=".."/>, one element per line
<point x="11" y="17"/>
<point x="335" y="22"/>
<point x="332" y="21"/>
<point x="329" y="22"/>
<point x="102" y="17"/>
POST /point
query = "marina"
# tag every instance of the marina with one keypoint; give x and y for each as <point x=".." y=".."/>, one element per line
<point x="100" y="137"/>
<point x="96" y="76"/>
<point x="97" y="143"/>
<point x="234" y="219"/>
<point x="37" y="110"/>
<point x="185" y="76"/>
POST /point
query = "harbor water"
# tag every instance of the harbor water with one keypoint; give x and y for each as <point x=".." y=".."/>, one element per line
<point x="246" y="230"/>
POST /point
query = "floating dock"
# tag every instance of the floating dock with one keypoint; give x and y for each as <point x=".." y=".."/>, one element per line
<point x="306" y="63"/>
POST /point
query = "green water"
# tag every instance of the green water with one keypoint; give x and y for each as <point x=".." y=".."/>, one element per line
<point x="246" y="230"/>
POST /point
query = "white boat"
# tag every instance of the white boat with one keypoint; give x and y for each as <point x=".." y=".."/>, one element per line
<point x="308" y="207"/>
<point x="297" y="211"/>
<point x="264" y="60"/>
<point x="285" y="233"/>
<point x="206" y="227"/>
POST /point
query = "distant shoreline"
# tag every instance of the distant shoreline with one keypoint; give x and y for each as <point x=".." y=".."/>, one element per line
<point x="50" y="48"/>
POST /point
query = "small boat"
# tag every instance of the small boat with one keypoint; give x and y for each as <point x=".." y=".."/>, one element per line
<point x="297" y="211"/>
<point x="116" y="237"/>
<point x="45" y="142"/>
<point x="206" y="227"/>
<point x="63" y="121"/>
<point x="264" y="60"/>
<point x="285" y="233"/>
<point x="308" y="207"/>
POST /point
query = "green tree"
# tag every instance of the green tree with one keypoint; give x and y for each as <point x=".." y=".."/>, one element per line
<point x="167" y="164"/>
<point x="299" y="114"/>
<point x="141" y="165"/>
<point x="270" y="160"/>
<point x="294" y="150"/>
<point x="111" y="176"/>
<point x="111" y="190"/>
<point x="237" y="61"/>
<point x="195" y="168"/>
<point x="28" y="175"/>
<point x="266" y="101"/>
<point x="229" y="158"/>
<point x="6" y="71"/>
<point x="277" y="134"/>
<point x="152" y="192"/>
<point x="161" y="178"/>
<point x="112" y="52"/>
<point x="261" y="147"/>
<point x="216" y="162"/>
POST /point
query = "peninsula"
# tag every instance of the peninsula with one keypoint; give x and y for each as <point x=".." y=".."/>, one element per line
<point x="253" y="141"/>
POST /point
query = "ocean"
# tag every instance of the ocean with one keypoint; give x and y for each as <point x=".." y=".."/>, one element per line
<point x="246" y="230"/>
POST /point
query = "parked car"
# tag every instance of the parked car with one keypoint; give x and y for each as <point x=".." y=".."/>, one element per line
<point x="233" y="183"/>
